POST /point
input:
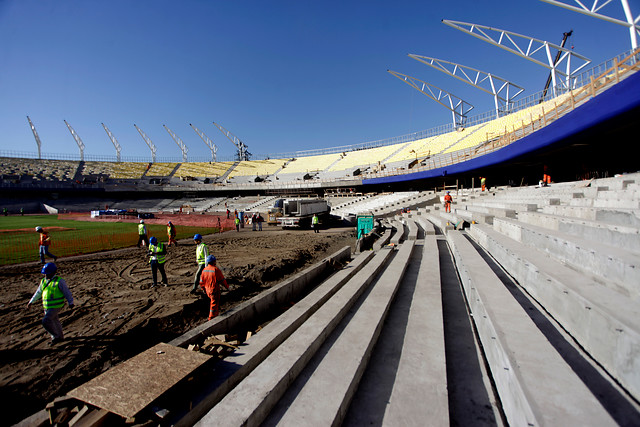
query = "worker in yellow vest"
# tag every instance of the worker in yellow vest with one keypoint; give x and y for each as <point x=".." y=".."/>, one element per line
<point x="53" y="290"/>
<point x="202" y="252"/>
<point x="157" y="258"/>
<point x="142" y="234"/>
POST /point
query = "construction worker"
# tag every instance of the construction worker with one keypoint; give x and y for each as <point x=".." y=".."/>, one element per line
<point x="237" y="221"/>
<point x="447" y="202"/>
<point x="53" y="290"/>
<point x="483" y="182"/>
<point x="546" y="176"/>
<point x="171" y="233"/>
<point x="210" y="282"/>
<point x="315" y="223"/>
<point x="202" y="252"/>
<point x="45" y="241"/>
<point x="157" y="258"/>
<point x="142" y="234"/>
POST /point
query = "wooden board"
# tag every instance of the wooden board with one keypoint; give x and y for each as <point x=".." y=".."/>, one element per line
<point x="132" y="385"/>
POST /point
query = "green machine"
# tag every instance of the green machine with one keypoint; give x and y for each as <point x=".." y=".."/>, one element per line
<point x="365" y="224"/>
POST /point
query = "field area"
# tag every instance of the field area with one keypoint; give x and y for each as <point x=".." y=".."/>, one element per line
<point x="19" y="241"/>
<point x="117" y="314"/>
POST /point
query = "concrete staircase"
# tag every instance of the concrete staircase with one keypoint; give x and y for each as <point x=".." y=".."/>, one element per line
<point x="502" y="312"/>
<point x="550" y="300"/>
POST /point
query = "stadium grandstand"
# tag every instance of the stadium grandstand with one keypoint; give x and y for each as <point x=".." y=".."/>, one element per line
<point x="563" y="133"/>
<point x="514" y="306"/>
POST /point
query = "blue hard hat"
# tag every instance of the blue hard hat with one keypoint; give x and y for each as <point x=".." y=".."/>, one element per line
<point x="153" y="240"/>
<point x="197" y="237"/>
<point x="211" y="259"/>
<point x="49" y="268"/>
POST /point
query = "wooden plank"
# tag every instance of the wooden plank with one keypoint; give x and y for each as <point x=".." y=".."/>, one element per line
<point x="130" y="386"/>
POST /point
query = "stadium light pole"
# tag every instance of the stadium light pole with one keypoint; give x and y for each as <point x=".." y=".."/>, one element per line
<point x="35" y="135"/>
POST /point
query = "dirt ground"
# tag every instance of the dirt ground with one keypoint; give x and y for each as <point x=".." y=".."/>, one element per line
<point x="117" y="314"/>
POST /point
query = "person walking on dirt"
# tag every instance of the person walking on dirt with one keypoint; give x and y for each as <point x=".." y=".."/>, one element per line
<point x="45" y="241"/>
<point x="53" y="290"/>
<point x="237" y="221"/>
<point x="210" y="282"/>
<point x="315" y="223"/>
<point x="171" y="233"/>
<point x="157" y="258"/>
<point x="260" y="220"/>
<point x="447" y="202"/>
<point x="142" y="234"/>
<point x="202" y="252"/>
<point x="254" y="222"/>
<point x="219" y="226"/>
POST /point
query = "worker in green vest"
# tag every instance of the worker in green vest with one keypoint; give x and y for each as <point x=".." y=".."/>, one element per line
<point x="202" y="252"/>
<point x="53" y="290"/>
<point x="142" y="234"/>
<point x="315" y="223"/>
<point x="157" y="258"/>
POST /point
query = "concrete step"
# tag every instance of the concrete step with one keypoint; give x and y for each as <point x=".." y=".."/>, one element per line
<point x="536" y="386"/>
<point x="254" y="397"/>
<point x="603" y="321"/>
<point x="614" y="235"/>
<point x="626" y="217"/>
<point x="610" y="263"/>
<point x="236" y="366"/>
<point x="325" y="397"/>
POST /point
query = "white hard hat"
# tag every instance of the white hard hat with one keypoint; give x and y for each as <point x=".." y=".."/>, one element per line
<point x="142" y="221"/>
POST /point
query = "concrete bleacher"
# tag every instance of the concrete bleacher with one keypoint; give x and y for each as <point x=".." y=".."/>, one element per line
<point x="502" y="322"/>
<point x="530" y="373"/>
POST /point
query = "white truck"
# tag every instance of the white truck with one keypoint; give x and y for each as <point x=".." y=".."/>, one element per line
<point x="298" y="212"/>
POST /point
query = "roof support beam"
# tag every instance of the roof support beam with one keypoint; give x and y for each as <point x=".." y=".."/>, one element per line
<point x="458" y="107"/>
<point x="503" y="91"/>
<point x="534" y="50"/>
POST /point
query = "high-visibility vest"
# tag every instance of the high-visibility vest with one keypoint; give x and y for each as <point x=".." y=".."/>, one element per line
<point x="141" y="229"/>
<point x="52" y="296"/>
<point x="170" y="230"/>
<point x="155" y="249"/>
<point x="201" y="253"/>
<point x="314" y="220"/>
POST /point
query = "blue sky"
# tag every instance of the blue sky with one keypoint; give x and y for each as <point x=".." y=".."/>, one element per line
<point x="281" y="75"/>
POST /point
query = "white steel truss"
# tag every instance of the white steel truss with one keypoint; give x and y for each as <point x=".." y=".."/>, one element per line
<point x="35" y="135"/>
<point x="534" y="50"/>
<point x="458" y="107"/>
<point x="77" y="139"/>
<point x="114" y="141"/>
<point x="503" y="91"/>
<point x="243" y="153"/>
<point x="213" y="147"/>
<point x="178" y="141"/>
<point x="631" y="23"/>
<point x="148" y="141"/>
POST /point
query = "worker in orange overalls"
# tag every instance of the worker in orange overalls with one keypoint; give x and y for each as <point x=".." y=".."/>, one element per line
<point x="447" y="202"/>
<point x="171" y="233"/>
<point x="210" y="280"/>
<point x="546" y="177"/>
<point x="45" y="241"/>
<point x="483" y="182"/>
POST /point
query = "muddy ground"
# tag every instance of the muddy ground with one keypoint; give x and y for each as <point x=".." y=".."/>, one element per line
<point x="118" y="315"/>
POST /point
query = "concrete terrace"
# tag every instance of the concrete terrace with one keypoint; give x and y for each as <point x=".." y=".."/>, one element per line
<point x="520" y="307"/>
